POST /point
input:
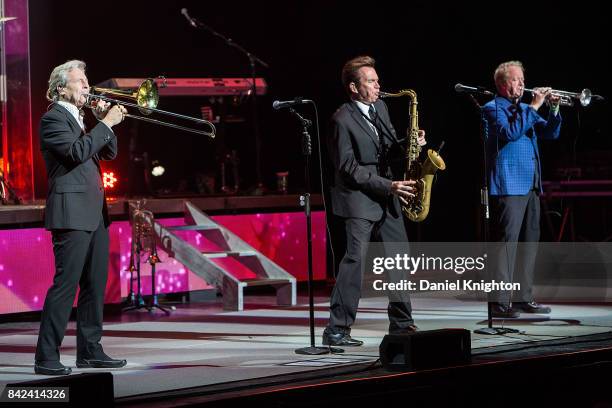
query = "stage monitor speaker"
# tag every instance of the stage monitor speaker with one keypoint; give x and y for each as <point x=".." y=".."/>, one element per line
<point x="84" y="389"/>
<point x="425" y="349"/>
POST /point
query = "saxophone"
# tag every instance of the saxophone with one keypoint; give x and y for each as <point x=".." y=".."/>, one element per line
<point x="417" y="208"/>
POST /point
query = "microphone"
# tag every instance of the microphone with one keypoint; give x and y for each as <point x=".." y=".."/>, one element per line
<point x="471" y="89"/>
<point x="189" y="19"/>
<point x="285" y="104"/>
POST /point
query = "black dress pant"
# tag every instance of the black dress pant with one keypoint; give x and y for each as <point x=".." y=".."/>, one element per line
<point x="81" y="260"/>
<point x="347" y="291"/>
<point x="516" y="219"/>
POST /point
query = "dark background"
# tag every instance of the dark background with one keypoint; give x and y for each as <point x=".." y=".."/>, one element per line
<point x="426" y="46"/>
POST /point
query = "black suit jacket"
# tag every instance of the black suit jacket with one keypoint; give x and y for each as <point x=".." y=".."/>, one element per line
<point x="358" y="189"/>
<point x="75" y="197"/>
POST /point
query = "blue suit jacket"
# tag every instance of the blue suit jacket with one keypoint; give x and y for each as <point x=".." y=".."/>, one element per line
<point x="512" y="145"/>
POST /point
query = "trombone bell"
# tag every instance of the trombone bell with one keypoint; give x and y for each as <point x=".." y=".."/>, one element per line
<point x="146" y="96"/>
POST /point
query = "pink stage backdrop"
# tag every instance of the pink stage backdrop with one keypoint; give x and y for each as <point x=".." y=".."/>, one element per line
<point x="26" y="257"/>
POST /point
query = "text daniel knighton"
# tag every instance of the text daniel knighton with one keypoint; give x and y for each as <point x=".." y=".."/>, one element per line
<point x="447" y="285"/>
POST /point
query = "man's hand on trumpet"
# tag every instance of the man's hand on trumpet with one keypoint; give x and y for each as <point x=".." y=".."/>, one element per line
<point x="541" y="95"/>
<point x="553" y="101"/>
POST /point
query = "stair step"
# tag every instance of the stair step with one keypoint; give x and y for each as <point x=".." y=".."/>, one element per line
<point x="192" y="227"/>
<point x="263" y="282"/>
<point x="227" y="254"/>
<point x="227" y="246"/>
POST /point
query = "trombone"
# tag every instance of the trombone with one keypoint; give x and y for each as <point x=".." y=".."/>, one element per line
<point x="147" y="98"/>
<point x="567" y="98"/>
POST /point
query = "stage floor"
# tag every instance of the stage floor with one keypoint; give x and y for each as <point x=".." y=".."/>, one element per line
<point x="202" y="345"/>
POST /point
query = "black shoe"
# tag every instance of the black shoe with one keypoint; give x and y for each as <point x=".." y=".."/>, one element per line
<point x="503" y="311"/>
<point x="340" y="339"/>
<point x="411" y="328"/>
<point x="101" y="360"/>
<point x="531" y="307"/>
<point x="51" y="368"/>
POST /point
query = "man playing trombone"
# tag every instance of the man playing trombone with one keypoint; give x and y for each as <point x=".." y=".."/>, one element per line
<point x="514" y="172"/>
<point x="77" y="217"/>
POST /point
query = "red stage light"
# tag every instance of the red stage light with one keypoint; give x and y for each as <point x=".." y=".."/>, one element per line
<point x="109" y="179"/>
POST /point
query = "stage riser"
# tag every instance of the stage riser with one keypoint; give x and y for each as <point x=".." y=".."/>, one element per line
<point x="26" y="257"/>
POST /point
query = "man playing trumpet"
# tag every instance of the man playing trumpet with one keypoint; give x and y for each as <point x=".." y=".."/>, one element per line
<point x="514" y="172"/>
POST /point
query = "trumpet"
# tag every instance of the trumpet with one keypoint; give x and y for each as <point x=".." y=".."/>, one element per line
<point x="147" y="98"/>
<point x="567" y="98"/>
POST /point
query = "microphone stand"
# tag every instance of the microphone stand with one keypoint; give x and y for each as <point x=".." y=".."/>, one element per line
<point x="305" y="202"/>
<point x="253" y="59"/>
<point x="484" y="202"/>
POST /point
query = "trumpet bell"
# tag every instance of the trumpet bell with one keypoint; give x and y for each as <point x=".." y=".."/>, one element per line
<point x="567" y="98"/>
<point x="585" y="97"/>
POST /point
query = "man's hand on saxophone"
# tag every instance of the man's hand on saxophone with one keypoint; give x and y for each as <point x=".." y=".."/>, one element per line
<point x="403" y="189"/>
<point x="421" y="138"/>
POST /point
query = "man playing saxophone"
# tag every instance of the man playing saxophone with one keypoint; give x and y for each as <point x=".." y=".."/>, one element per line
<point x="364" y="196"/>
<point x="515" y="180"/>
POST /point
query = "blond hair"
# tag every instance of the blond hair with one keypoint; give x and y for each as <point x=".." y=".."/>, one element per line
<point x="501" y="72"/>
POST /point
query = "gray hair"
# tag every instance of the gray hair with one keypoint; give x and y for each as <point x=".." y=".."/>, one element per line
<point x="59" y="77"/>
<point x="501" y="72"/>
